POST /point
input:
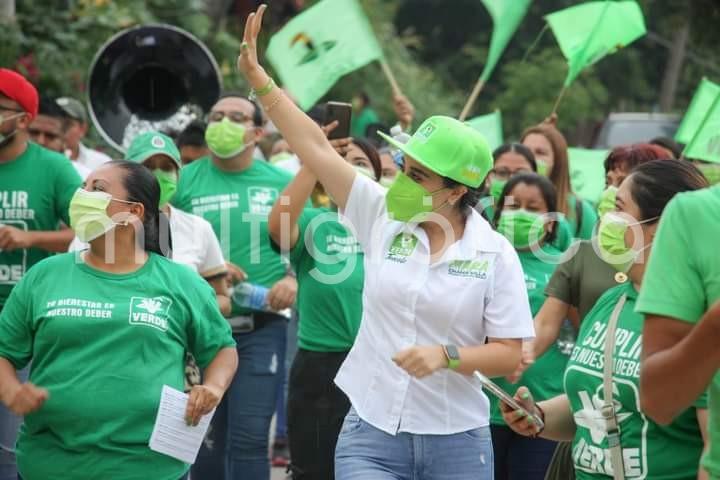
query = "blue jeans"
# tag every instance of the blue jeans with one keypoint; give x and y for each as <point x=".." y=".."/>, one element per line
<point x="9" y="425"/>
<point x="364" y="452"/>
<point x="291" y="347"/>
<point x="536" y="454"/>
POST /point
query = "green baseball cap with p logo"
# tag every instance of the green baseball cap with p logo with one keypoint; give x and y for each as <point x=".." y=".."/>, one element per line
<point x="148" y="144"/>
<point x="449" y="148"/>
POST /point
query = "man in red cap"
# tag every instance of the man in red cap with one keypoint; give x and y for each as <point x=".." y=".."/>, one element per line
<point x="36" y="186"/>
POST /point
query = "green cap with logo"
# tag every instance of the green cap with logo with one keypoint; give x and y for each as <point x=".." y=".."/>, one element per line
<point x="148" y="144"/>
<point x="449" y="148"/>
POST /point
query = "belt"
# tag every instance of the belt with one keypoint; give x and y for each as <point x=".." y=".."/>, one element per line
<point x="252" y="322"/>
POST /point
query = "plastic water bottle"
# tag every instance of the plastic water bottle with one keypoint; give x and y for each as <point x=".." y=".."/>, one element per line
<point x="249" y="295"/>
<point x="399" y="136"/>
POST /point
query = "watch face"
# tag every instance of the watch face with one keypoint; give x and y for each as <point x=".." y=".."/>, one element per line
<point x="453" y="352"/>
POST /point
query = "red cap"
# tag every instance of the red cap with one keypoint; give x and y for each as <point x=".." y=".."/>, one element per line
<point x="16" y="87"/>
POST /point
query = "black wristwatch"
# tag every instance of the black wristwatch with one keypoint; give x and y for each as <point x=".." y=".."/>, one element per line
<point x="453" y="356"/>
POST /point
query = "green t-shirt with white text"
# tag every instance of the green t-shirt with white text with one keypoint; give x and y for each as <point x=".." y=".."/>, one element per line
<point x="35" y="192"/>
<point x="103" y="345"/>
<point x="650" y="451"/>
<point x="330" y="273"/>
<point x="682" y="279"/>
<point x="542" y="378"/>
<point x="237" y="205"/>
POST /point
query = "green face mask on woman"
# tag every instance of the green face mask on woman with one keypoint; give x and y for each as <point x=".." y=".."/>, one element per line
<point x="606" y="204"/>
<point x="225" y="139"/>
<point x="407" y="200"/>
<point x="168" y="185"/>
<point x="496" y="188"/>
<point x="522" y="228"/>
<point x="88" y="214"/>
<point x="611" y="241"/>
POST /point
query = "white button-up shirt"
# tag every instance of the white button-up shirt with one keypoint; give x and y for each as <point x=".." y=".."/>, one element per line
<point x="92" y="159"/>
<point x="476" y="290"/>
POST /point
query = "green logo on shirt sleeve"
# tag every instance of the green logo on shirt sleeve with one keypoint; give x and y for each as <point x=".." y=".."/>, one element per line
<point x="152" y="312"/>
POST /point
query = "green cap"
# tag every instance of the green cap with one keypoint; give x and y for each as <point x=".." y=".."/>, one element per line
<point x="148" y="144"/>
<point x="449" y="148"/>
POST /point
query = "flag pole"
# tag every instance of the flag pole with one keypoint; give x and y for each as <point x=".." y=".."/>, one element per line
<point x="471" y="100"/>
<point x="391" y="78"/>
<point x="534" y="44"/>
<point x="559" y="99"/>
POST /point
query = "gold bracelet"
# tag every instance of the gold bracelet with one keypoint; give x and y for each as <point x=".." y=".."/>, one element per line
<point x="274" y="103"/>
<point x="261" y="92"/>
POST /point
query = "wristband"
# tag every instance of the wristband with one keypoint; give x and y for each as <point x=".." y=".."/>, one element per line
<point x="264" y="90"/>
<point x="542" y="417"/>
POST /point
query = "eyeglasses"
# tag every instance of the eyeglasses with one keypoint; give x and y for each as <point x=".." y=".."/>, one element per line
<point x="506" y="173"/>
<point x="235" y="116"/>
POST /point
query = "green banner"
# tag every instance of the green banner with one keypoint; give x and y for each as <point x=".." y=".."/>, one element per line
<point x="322" y="44"/>
<point x="506" y="15"/>
<point x="704" y="96"/>
<point x="705" y="144"/>
<point x="587" y="172"/>
<point x="590" y="31"/>
<point x="490" y="126"/>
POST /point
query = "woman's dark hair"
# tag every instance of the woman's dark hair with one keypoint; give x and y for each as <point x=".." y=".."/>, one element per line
<point x="372" y="154"/>
<point x="628" y="157"/>
<point x="471" y="197"/>
<point x="518" y="148"/>
<point x="655" y="183"/>
<point x="142" y="187"/>
<point x="547" y="190"/>
<point x="668" y="144"/>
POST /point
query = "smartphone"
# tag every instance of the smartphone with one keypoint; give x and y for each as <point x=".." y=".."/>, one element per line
<point x="342" y="112"/>
<point x="503" y="396"/>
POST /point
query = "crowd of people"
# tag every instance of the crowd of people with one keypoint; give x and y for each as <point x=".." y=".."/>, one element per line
<point x="349" y="288"/>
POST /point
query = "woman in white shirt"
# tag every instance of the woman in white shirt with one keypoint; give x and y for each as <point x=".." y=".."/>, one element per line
<point x="193" y="241"/>
<point x="444" y="295"/>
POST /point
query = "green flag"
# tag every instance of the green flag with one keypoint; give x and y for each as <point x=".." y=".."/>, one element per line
<point x="587" y="172"/>
<point x="589" y="31"/>
<point x="506" y="15"/>
<point x="699" y="106"/>
<point x="705" y="144"/>
<point x="490" y="126"/>
<point x="319" y="46"/>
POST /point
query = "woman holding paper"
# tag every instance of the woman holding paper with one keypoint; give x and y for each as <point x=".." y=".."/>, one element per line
<point x="105" y="330"/>
<point x="444" y="295"/>
<point x="606" y="357"/>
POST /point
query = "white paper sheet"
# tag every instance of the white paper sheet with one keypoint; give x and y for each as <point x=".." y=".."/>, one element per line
<point x="171" y="435"/>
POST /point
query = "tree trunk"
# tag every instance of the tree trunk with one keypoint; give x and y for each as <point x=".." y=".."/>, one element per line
<point x="674" y="67"/>
<point x="7" y="11"/>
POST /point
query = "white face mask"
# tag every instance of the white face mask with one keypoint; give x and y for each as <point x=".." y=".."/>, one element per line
<point x="5" y="138"/>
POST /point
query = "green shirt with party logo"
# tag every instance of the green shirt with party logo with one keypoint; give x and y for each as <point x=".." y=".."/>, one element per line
<point x="103" y="345"/>
<point x="35" y="192"/>
<point x="650" y="451"/>
<point x="542" y="378"/>
<point x="237" y="205"/>
<point x="683" y="279"/>
<point x="330" y="273"/>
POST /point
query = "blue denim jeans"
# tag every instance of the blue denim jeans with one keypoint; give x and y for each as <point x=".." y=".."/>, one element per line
<point x="366" y="453"/>
<point x="518" y="457"/>
<point x="9" y="425"/>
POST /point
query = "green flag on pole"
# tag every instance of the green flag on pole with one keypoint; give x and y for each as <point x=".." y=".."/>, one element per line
<point x="589" y="31"/>
<point x="705" y="144"/>
<point x="506" y="15"/>
<point x="587" y="172"/>
<point x="317" y="47"/>
<point x="490" y="126"/>
<point x="704" y="96"/>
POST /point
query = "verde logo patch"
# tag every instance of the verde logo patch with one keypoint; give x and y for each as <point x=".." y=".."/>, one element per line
<point x="261" y="200"/>
<point x="469" y="268"/>
<point x="401" y="248"/>
<point x="151" y="312"/>
<point x="425" y="132"/>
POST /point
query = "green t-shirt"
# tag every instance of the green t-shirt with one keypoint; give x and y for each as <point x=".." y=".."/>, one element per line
<point x="542" y="378"/>
<point x="330" y="273"/>
<point x="650" y="451"/>
<point x="237" y="205"/>
<point x="587" y="222"/>
<point x="35" y="191"/>
<point x="361" y="121"/>
<point x="683" y="278"/>
<point x="103" y="345"/>
<point x="582" y="279"/>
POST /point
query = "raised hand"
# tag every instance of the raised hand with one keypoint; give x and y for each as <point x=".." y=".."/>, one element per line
<point x="247" y="61"/>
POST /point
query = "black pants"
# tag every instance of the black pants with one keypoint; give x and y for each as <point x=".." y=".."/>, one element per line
<point x="518" y="457"/>
<point x="316" y="410"/>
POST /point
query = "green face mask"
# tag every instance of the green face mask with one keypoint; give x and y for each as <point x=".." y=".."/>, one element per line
<point x="168" y="185"/>
<point x="521" y="227"/>
<point x="280" y="157"/>
<point x="407" y="200"/>
<point x="225" y="139"/>
<point x="387" y="181"/>
<point x="496" y="188"/>
<point x="711" y="172"/>
<point x="88" y="214"/>
<point x="606" y="204"/>
<point x="542" y="168"/>
<point x="611" y="240"/>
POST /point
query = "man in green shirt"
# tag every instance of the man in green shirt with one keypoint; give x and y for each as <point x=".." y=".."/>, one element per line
<point x="682" y="320"/>
<point x="235" y="193"/>
<point x="363" y="116"/>
<point x="35" y="189"/>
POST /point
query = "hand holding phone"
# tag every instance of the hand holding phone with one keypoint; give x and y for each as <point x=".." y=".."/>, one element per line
<point x="342" y="113"/>
<point x="511" y="402"/>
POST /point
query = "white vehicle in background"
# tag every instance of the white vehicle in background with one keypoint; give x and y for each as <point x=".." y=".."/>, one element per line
<point x="626" y="128"/>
